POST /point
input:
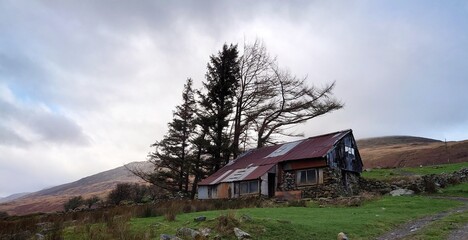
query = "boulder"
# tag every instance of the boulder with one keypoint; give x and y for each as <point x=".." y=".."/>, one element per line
<point x="187" y="233"/>
<point x="168" y="237"/>
<point x="401" y="192"/>
<point x="245" y="218"/>
<point x="342" y="236"/>
<point x="200" y="219"/>
<point x="241" y="234"/>
<point x="205" y="232"/>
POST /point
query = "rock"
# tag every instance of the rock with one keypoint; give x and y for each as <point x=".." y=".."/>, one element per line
<point x="241" y="234"/>
<point x="205" y="232"/>
<point x="168" y="237"/>
<point x="187" y="233"/>
<point x="342" y="236"/>
<point x="200" y="219"/>
<point x="401" y="192"/>
<point x="39" y="236"/>
<point x="245" y="218"/>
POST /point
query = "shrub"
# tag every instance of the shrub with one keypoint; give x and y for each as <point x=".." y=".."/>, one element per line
<point x="3" y="215"/>
<point x="91" y="201"/>
<point x="73" y="203"/>
<point x="227" y="222"/>
<point x="170" y="215"/>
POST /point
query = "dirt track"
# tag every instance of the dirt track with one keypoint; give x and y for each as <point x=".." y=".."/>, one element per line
<point x="416" y="225"/>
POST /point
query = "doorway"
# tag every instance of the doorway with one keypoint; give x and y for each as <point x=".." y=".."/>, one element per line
<point x="271" y="184"/>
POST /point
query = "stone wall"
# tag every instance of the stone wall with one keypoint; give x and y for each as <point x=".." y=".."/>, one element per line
<point x="333" y="185"/>
<point x="428" y="183"/>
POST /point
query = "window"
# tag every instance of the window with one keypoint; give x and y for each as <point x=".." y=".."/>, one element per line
<point x="212" y="191"/>
<point x="248" y="187"/>
<point x="307" y="177"/>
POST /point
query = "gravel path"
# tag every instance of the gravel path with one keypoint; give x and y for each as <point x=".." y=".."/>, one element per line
<point x="458" y="234"/>
<point x="413" y="226"/>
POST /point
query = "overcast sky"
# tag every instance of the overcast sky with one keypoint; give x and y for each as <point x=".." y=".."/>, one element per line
<point x="86" y="86"/>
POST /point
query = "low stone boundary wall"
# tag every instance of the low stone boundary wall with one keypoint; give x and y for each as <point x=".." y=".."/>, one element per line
<point x="427" y="183"/>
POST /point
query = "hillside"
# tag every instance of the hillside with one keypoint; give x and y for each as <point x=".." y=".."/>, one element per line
<point x="13" y="197"/>
<point x="393" y="140"/>
<point x="407" y="151"/>
<point x="52" y="199"/>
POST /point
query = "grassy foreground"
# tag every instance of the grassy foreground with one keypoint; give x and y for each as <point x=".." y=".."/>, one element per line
<point x="459" y="190"/>
<point x="313" y="222"/>
<point x="388" y="174"/>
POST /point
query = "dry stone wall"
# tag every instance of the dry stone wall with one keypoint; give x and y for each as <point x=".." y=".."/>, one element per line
<point x="333" y="185"/>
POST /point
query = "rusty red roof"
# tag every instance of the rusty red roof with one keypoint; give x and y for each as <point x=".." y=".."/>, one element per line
<point x="254" y="163"/>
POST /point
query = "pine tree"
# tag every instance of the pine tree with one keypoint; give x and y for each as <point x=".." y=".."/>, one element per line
<point x="217" y="104"/>
<point x="173" y="155"/>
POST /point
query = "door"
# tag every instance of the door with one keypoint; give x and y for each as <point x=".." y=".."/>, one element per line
<point x="271" y="184"/>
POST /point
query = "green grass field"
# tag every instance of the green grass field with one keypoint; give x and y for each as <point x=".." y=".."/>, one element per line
<point x="314" y="222"/>
<point x="363" y="222"/>
<point x="388" y="174"/>
<point x="459" y="190"/>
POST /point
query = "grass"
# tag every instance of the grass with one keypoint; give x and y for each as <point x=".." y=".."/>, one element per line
<point x="459" y="190"/>
<point x="388" y="174"/>
<point x="442" y="228"/>
<point x="364" y="222"/>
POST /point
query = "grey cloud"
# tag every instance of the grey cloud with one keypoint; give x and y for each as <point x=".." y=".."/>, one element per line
<point x="50" y="126"/>
<point x="11" y="138"/>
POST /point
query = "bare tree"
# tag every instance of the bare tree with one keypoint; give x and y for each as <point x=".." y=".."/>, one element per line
<point x="270" y="100"/>
<point x="254" y="88"/>
<point x="295" y="102"/>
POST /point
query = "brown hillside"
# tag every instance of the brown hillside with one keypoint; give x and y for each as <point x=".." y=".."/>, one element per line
<point x="52" y="199"/>
<point x="392" y="152"/>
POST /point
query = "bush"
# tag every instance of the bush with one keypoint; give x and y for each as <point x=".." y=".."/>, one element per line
<point x="3" y="215"/>
<point x="130" y="193"/>
<point x="73" y="203"/>
<point x="91" y="201"/>
<point x="227" y="222"/>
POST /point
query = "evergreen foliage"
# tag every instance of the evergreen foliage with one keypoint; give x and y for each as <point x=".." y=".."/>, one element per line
<point x="174" y="155"/>
<point x="217" y="104"/>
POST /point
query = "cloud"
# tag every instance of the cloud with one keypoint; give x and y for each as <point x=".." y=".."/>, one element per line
<point x="23" y="124"/>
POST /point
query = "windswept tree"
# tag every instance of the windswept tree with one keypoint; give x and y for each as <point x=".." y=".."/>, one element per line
<point x="269" y="99"/>
<point x="254" y="89"/>
<point x="172" y="158"/>
<point x="295" y="102"/>
<point x="217" y="102"/>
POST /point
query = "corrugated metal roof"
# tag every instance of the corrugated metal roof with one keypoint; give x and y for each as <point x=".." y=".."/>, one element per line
<point x="258" y="161"/>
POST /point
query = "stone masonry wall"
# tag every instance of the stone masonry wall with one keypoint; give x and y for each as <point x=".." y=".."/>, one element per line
<point x="333" y="185"/>
<point x="427" y="183"/>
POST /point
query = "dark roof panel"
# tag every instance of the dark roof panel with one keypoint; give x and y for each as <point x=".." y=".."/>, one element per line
<point x="263" y="159"/>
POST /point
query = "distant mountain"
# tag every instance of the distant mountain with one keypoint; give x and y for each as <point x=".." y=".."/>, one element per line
<point x="392" y="140"/>
<point x="52" y="199"/>
<point x="409" y="151"/>
<point x="13" y="197"/>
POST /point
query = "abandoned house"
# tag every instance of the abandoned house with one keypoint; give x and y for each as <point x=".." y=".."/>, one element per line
<point x="322" y="166"/>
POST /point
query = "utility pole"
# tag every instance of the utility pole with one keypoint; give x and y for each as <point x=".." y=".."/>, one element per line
<point x="446" y="151"/>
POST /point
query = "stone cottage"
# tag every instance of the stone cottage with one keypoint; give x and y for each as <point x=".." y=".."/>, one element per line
<point x="322" y="166"/>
